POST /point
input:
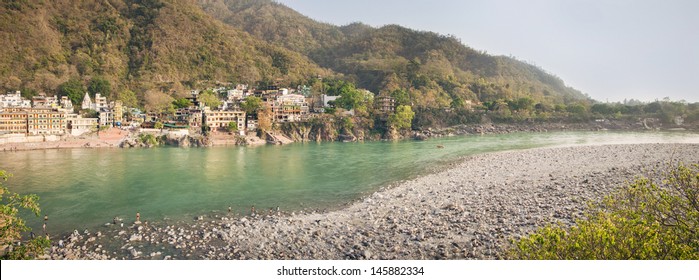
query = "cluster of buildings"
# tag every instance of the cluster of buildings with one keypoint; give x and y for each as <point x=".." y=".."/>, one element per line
<point x="109" y="113"/>
<point x="51" y="115"/>
<point x="42" y="115"/>
<point x="284" y="105"/>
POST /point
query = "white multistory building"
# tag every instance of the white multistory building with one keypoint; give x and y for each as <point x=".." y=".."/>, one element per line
<point x="99" y="103"/>
<point x="14" y="100"/>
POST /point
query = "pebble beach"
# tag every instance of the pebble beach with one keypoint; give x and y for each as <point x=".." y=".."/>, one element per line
<point x="469" y="209"/>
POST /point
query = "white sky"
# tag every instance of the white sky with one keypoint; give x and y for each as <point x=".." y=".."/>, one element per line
<point x="611" y="50"/>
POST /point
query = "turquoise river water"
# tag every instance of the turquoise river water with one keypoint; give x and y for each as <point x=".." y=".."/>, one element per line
<point x="85" y="188"/>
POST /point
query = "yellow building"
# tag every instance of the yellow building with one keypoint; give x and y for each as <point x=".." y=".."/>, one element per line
<point x="13" y="122"/>
<point x="219" y="120"/>
<point x="118" y="112"/>
<point x="33" y="121"/>
<point x="46" y="121"/>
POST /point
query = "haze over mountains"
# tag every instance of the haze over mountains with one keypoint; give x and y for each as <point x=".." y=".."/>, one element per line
<point x="171" y="46"/>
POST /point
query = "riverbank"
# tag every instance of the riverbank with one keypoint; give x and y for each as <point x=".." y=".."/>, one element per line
<point x="109" y="138"/>
<point x="114" y="137"/>
<point x="502" y="128"/>
<point x="468" y="211"/>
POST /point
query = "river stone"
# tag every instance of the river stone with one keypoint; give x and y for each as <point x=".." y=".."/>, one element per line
<point x="367" y="254"/>
<point x="136" y="237"/>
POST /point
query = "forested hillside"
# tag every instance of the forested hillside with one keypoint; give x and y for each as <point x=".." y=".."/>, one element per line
<point x="147" y="50"/>
<point x="438" y="71"/>
<point x="154" y="46"/>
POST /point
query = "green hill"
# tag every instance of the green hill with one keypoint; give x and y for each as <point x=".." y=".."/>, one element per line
<point x="171" y="46"/>
<point x="162" y="45"/>
<point x="275" y="23"/>
<point x="436" y="70"/>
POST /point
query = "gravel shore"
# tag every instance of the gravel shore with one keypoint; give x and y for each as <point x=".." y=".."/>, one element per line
<point x="470" y="210"/>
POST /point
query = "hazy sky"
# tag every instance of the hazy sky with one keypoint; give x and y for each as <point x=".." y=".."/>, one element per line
<point x="611" y="49"/>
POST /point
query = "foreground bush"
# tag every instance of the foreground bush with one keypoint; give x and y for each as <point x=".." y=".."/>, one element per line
<point x="12" y="226"/>
<point x="646" y="220"/>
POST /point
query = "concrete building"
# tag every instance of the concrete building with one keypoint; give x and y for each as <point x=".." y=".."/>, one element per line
<point x="33" y="121"/>
<point x="324" y="99"/>
<point x="235" y="94"/>
<point x="66" y="104"/>
<point x="285" y="107"/>
<point x="46" y="121"/>
<point x="252" y="124"/>
<point x="87" y="102"/>
<point x="43" y="101"/>
<point x="78" y="125"/>
<point x="13" y="122"/>
<point x="290" y="108"/>
<point x="320" y="103"/>
<point x="99" y="103"/>
<point x="106" y="117"/>
<point x="219" y="120"/>
<point x="14" y="100"/>
<point x="385" y="104"/>
<point x="118" y="109"/>
<point x="192" y="116"/>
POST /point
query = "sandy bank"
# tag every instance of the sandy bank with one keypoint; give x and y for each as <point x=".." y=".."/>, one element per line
<point x="468" y="211"/>
<point x="110" y="138"/>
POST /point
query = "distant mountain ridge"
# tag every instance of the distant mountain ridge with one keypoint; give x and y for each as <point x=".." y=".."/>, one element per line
<point x="392" y="56"/>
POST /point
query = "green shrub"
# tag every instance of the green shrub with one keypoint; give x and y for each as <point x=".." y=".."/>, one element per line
<point x="12" y="226"/>
<point x="646" y="220"/>
<point x="148" y="139"/>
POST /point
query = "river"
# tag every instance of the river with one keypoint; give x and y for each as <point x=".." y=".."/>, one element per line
<point x="86" y="188"/>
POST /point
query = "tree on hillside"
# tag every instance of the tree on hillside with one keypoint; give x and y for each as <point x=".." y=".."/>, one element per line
<point x="352" y="98"/>
<point x="210" y="99"/>
<point x="457" y="102"/>
<point x="28" y="93"/>
<point x="577" y="111"/>
<point x="401" y="96"/>
<point x="349" y="99"/>
<point x="523" y="103"/>
<point x="158" y="102"/>
<point x="653" y="107"/>
<point x="12" y="83"/>
<point x="602" y="109"/>
<point x="99" y="85"/>
<point x="12" y="227"/>
<point x="265" y="119"/>
<point x="337" y="87"/>
<point x="402" y="118"/>
<point x="251" y="105"/>
<point x="128" y="98"/>
<point x="181" y="103"/>
<point x="74" y="89"/>
<point x="670" y="110"/>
